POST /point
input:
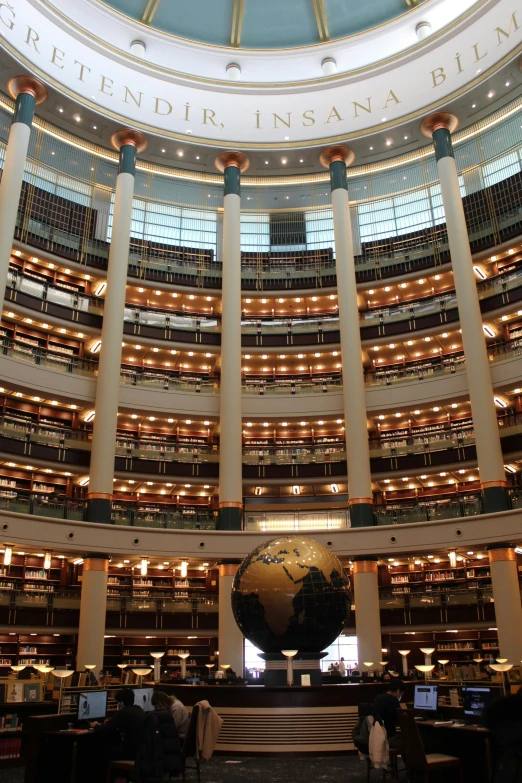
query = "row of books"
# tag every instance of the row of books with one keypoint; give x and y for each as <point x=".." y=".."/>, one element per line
<point x="11" y="748"/>
<point x="9" y="722"/>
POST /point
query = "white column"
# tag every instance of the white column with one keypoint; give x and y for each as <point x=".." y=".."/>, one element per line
<point x="356" y="431"/>
<point x="230" y="638"/>
<point x="93" y="605"/>
<point x="28" y="92"/>
<point x="367" y="611"/>
<point x="230" y="433"/>
<point x="508" y="606"/>
<point x="487" y="439"/>
<point x="101" y="473"/>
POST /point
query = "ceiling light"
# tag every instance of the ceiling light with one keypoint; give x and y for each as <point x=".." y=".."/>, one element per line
<point x="500" y="402"/>
<point x="488" y="331"/>
<point x="296" y="490"/>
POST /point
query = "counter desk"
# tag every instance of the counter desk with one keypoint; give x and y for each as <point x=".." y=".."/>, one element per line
<point x="271" y="720"/>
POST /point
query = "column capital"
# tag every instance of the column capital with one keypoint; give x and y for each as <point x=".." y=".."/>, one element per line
<point x="28" y="85"/>
<point x="439" y="120"/>
<point x="228" y="569"/>
<point x="128" y="136"/>
<point x="337" y="154"/>
<point x="230" y="504"/>
<point x="232" y="158"/>
<point x="96" y="564"/>
<point x="502" y="555"/>
<point x="365" y="567"/>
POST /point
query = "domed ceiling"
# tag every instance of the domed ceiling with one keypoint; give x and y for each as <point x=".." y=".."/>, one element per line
<point x="262" y="24"/>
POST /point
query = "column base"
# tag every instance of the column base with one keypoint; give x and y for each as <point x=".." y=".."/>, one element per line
<point x="361" y="515"/>
<point x="495" y="499"/>
<point x="99" y="510"/>
<point x="230" y="518"/>
<point x="303" y="663"/>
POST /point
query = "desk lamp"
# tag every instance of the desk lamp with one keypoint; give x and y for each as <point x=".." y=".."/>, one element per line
<point x="141" y="673"/>
<point x="121" y="667"/>
<point x="384" y="664"/>
<point x="18" y="668"/>
<point x="183" y="657"/>
<point x="426" y="670"/>
<point x="157" y="665"/>
<point x="209" y="667"/>
<point x="428" y="652"/>
<point x="62" y="675"/>
<point x="501" y="667"/>
<point x="369" y="665"/>
<point x="404" y="654"/>
<point x="289" y="655"/>
<point x="443" y="662"/>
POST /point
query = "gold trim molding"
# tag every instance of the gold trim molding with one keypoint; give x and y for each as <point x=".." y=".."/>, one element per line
<point x="506" y="555"/>
<point x="128" y="136"/>
<point x="492" y="484"/>
<point x="230" y="504"/>
<point x="99" y="496"/>
<point x="228" y="569"/>
<point x="365" y="567"/>
<point x="339" y="153"/>
<point x="28" y="84"/>
<point x="96" y="564"/>
<point x="441" y="119"/>
<point x="360" y="501"/>
<point x="232" y="158"/>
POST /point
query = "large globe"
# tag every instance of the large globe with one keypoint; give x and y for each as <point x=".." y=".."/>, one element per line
<point x="291" y="593"/>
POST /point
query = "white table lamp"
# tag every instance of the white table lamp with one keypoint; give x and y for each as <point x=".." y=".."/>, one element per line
<point x="183" y="657"/>
<point x="157" y="665"/>
<point x="404" y="654"/>
<point x="289" y="655"/>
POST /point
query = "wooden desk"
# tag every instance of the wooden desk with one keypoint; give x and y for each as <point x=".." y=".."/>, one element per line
<point x="471" y="744"/>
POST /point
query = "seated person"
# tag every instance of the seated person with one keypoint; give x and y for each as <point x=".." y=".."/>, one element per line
<point x="179" y="713"/>
<point x="128" y="722"/>
<point x="386" y="707"/>
<point x="159" y="751"/>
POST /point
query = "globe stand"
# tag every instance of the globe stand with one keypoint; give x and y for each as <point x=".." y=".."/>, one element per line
<point x="303" y="663"/>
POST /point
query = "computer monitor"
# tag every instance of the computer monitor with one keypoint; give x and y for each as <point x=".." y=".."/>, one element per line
<point x="142" y="698"/>
<point x="475" y="701"/>
<point x="92" y="705"/>
<point x="426" y="698"/>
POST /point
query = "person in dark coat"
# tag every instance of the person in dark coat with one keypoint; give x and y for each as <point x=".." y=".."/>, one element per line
<point x="127" y="723"/>
<point x="504" y="719"/>
<point x="159" y="749"/>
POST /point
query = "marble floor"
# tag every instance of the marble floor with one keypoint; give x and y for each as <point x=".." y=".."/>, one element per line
<point x="339" y="769"/>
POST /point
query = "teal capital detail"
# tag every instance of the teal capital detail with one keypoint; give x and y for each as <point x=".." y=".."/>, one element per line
<point x="24" y="109"/>
<point x="495" y="499"/>
<point x="361" y="515"/>
<point x="99" y="510"/>
<point x="230" y="518"/>
<point x="128" y="153"/>
<point x="232" y="180"/>
<point x="338" y="175"/>
<point x="442" y="143"/>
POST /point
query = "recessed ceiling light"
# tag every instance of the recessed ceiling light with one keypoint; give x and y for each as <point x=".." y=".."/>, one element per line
<point x="284" y="161"/>
<point x="371" y="148"/>
<point x="491" y="94"/>
<point x="405" y="138"/>
<point x="287" y="138"/>
<point x="473" y="105"/>
<point x="163" y="150"/>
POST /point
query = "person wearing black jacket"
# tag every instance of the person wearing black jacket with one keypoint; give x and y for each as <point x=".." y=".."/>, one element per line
<point x="386" y="708"/>
<point x="504" y="719"/>
<point x="159" y="749"/>
<point x="127" y="722"/>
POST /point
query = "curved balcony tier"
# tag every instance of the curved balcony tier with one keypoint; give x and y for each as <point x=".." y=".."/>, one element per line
<point x="69" y="378"/>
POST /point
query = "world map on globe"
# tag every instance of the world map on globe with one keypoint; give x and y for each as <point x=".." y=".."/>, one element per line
<point x="291" y="593"/>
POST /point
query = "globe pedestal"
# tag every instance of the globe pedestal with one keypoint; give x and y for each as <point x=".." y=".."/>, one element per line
<point x="303" y="663"/>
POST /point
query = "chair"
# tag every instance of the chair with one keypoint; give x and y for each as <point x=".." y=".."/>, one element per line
<point x="190" y="746"/>
<point x="418" y="762"/>
<point x="364" y="710"/>
<point x="120" y="766"/>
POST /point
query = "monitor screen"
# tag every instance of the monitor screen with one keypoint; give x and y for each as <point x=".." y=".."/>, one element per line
<point x="92" y="706"/>
<point x="476" y="700"/>
<point x="142" y="697"/>
<point x="425" y="698"/>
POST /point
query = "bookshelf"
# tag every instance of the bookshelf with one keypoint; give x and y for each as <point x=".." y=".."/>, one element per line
<point x="135" y="651"/>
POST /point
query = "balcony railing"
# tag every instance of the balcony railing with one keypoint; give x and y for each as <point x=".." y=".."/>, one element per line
<point x="172" y="518"/>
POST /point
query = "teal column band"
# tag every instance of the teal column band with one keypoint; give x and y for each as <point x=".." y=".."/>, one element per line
<point x="495" y="499"/>
<point x="338" y="175"/>
<point x="232" y="180"/>
<point x="361" y="515"/>
<point x="230" y="518"/>
<point x="24" y="109"/>
<point x="98" y="510"/>
<point x="128" y="154"/>
<point x="442" y="143"/>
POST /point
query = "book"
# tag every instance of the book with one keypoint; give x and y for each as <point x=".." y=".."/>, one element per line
<point x="15" y="691"/>
<point x="32" y="691"/>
